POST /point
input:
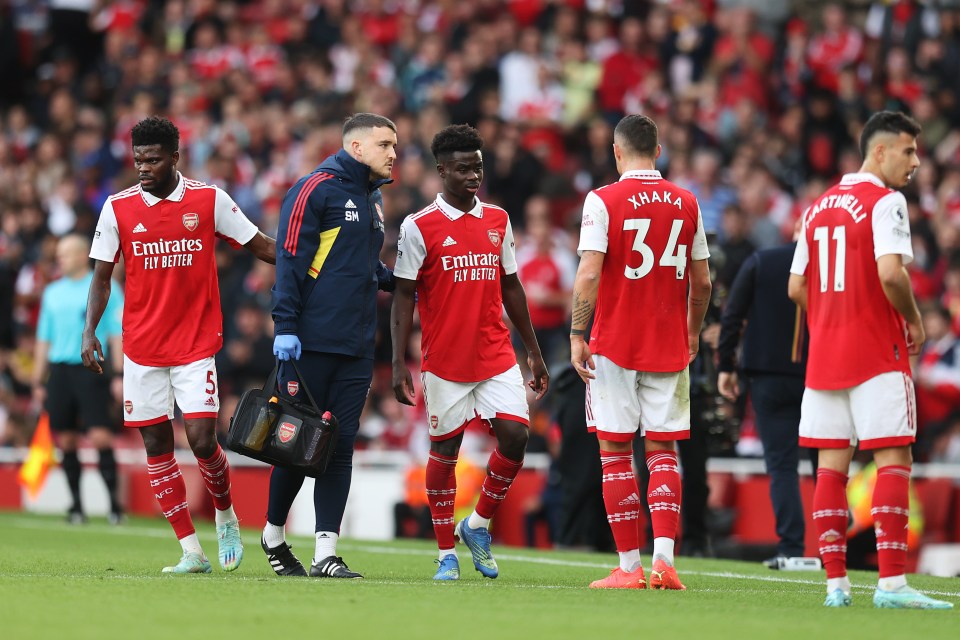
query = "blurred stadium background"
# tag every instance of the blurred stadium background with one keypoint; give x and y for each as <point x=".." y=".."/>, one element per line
<point x="759" y="105"/>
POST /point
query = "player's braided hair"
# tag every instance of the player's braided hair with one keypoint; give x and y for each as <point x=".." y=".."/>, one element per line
<point x="156" y="130"/>
<point x="887" y="122"/>
<point x="456" y="137"/>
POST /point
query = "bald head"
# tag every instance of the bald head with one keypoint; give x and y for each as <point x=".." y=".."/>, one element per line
<point x="72" y="252"/>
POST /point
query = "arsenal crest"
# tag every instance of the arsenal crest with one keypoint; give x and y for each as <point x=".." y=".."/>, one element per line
<point x="494" y="237"/>
<point x="292" y="387"/>
<point x="286" y="431"/>
<point x="191" y="221"/>
<point x="128" y="406"/>
<point x="433" y="421"/>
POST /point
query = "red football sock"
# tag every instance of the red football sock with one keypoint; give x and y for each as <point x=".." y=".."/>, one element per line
<point x="664" y="493"/>
<point x="830" y="517"/>
<point x="500" y="474"/>
<point x="891" y="511"/>
<point x="621" y="498"/>
<point x="441" y="481"/>
<point x="171" y="492"/>
<point x="215" y="472"/>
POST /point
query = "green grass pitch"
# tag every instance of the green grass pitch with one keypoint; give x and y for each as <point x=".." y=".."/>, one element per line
<point x="97" y="581"/>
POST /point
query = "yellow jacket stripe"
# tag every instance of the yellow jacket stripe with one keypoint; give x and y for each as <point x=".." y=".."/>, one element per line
<point x="327" y="238"/>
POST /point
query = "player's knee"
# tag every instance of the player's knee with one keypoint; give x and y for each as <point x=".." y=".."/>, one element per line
<point x="448" y="448"/>
<point x="157" y="441"/>
<point x="512" y="440"/>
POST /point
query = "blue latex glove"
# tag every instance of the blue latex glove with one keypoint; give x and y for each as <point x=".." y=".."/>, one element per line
<point x="286" y="346"/>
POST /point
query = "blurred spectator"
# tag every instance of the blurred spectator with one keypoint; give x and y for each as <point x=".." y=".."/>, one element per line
<point x="837" y="46"/>
<point x="937" y="378"/>
<point x="546" y="266"/>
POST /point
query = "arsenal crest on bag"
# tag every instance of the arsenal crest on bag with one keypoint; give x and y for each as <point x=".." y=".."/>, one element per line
<point x="270" y="427"/>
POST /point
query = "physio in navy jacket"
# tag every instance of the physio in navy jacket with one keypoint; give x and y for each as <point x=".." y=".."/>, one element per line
<point x="325" y="317"/>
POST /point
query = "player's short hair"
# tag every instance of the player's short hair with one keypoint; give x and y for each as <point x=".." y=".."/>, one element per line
<point x="366" y="121"/>
<point x="638" y="135"/>
<point x="887" y="122"/>
<point x="456" y="137"/>
<point x="156" y="130"/>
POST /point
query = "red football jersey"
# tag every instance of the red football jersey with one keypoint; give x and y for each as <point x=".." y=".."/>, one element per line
<point x="171" y="312"/>
<point x="855" y="333"/>
<point x="650" y="231"/>
<point x="457" y="259"/>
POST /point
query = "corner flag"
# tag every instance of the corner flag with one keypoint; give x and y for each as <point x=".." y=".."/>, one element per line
<point x="33" y="471"/>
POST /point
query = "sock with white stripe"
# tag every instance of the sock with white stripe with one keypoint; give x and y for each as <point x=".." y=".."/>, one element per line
<point x="501" y="472"/>
<point x="891" y="511"/>
<point x="441" y="483"/>
<point x="622" y="501"/>
<point x="664" y="495"/>
<point x="171" y="492"/>
<point x="215" y="472"/>
<point x="830" y="517"/>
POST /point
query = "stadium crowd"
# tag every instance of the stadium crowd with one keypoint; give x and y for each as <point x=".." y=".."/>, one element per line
<point x="759" y="106"/>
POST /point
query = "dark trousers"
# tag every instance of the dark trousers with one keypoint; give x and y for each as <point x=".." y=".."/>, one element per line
<point x="776" y="402"/>
<point x="582" y="520"/>
<point x="339" y="384"/>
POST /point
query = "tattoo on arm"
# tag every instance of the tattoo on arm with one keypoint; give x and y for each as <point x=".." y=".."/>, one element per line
<point x="582" y="310"/>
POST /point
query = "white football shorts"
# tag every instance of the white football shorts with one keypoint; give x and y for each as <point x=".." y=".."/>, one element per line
<point x="450" y="405"/>
<point x="149" y="392"/>
<point x="620" y="401"/>
<point x="881" y="412"/>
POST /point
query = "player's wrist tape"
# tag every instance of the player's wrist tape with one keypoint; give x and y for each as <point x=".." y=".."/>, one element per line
<point x="577" y="332"/>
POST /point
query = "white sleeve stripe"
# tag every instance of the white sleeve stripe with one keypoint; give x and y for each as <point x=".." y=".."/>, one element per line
<point x="126" y="192"/>
<point x="430" y="209"/>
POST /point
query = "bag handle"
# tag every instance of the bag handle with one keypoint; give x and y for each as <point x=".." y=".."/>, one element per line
<point x="270" y="386"/>
<point x="273" y="383"/>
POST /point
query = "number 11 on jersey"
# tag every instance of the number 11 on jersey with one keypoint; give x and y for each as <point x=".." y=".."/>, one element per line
<point x="821" y="235"/>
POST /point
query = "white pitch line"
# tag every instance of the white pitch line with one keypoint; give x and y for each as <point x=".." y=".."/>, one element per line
<point x="25" y="523"/>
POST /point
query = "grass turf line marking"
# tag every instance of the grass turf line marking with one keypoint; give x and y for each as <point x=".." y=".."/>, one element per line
<point x="26" y="523"/>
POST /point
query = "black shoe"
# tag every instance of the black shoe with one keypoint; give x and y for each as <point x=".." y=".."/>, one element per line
<point x="774" y="562"/>
<point x="332" y="567"/>
<point x="282" y="560"/>
<point x="116" y="518"/>
<point x="75" y="516"/>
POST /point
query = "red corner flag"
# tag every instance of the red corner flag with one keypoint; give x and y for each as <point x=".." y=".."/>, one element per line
<point x="33" y="471"/>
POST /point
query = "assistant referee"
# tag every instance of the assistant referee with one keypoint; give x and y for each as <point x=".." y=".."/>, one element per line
<point x="75" y="399"/>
